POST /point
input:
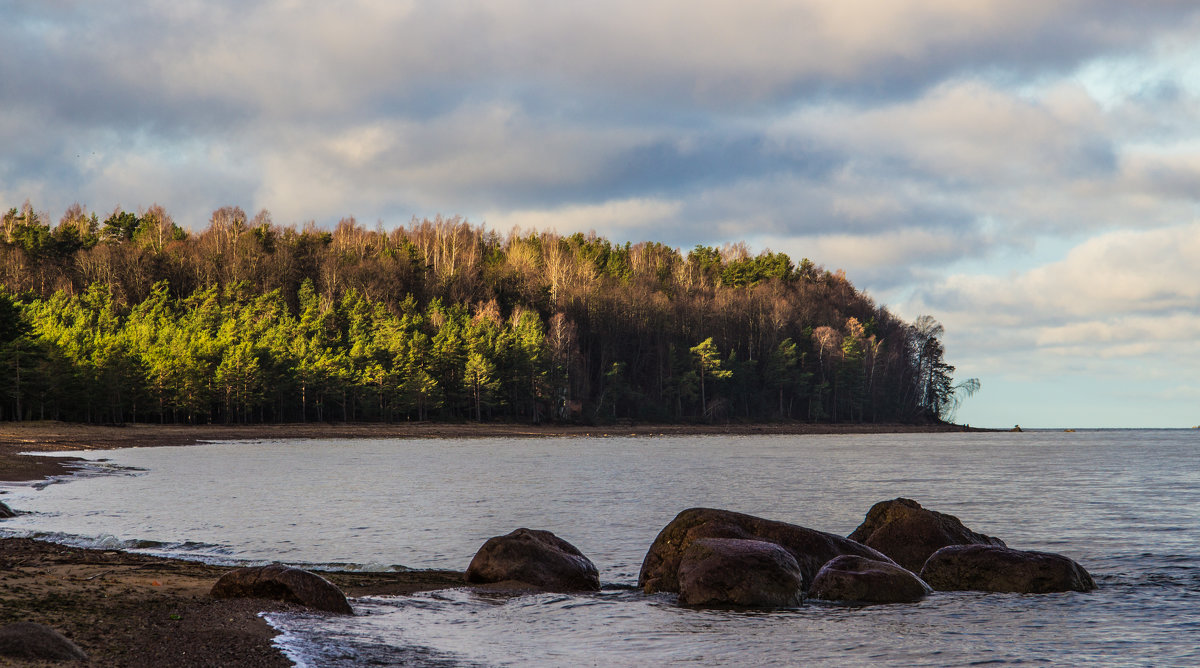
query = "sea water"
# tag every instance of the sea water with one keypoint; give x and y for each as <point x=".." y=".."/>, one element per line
<point x="1123" y="503"/>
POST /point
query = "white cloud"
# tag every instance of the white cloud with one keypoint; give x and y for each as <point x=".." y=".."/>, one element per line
<point x="875" y="258"/>
<point x="967" y="131"/>
<point x="1155" y="271"/>
<point x="1121" y="297"/>
<point x="613" y="218"/>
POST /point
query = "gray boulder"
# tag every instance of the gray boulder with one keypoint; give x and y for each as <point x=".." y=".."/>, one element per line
<point x="738" y="572"/>
<point x="1002" y="569"/>
<point x="534" y="557"/>
<point x="37" y="642"/>
<point x="283" y="583"/>
<point x="908" y="533"/>
<point x="858" y="579"/>
<point x="810" y="548"/>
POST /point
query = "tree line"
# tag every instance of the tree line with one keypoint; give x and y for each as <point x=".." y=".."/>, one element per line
<point x="131" y="318"/>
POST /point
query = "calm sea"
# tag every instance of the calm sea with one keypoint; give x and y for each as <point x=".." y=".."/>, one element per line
<point x="1124" y="503"/>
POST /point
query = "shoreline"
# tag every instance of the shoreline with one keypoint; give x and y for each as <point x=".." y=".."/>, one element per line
<point x="131" y="609"/>
<point x="18" y="437"/>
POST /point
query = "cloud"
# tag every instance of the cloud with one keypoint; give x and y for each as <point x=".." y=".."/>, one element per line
<point x="305" y="60"/>
<point x="614" y="219"/>
<point x="472" y="106"/>
<point x="1148" y="272"/>
<point x="973" y="133"/>
<point x="1126" y="295"/>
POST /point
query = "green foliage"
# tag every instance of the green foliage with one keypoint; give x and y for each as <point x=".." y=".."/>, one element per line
<point x="754" y="270"/>
<point x="120" y="226"/>
<point x="708" y="366"/>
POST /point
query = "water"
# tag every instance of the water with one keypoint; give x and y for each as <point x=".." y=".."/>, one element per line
<point x="1125" y="504"/>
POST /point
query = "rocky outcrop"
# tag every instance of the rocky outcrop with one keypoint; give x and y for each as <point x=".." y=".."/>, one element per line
<point x="810" y="548"/>
<point x="858" y="579"/>
<point x="534" y="557"/>
<point x="37" y="642"/>
<point x="6" y="512"/>
<point x="738" y="572"/>
<point x="1002" y="569"/>
<point x="283" y="583"/>
<point x="908" y="533"/>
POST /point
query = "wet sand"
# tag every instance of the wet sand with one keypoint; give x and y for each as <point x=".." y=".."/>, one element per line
<point x="128" y="609"/>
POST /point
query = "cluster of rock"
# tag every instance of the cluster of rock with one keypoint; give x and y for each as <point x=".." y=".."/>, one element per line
<point x="711" y="557"/>
<point x="900" y="553"/>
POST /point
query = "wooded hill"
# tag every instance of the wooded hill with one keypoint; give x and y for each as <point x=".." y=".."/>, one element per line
<point x="131" y="318"/>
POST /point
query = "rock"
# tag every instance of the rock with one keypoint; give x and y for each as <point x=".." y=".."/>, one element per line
<point x="850" y="578"/>
<point x="283" y="583"/>
<point x="738" y="572"/>
<point x="535" y="557"/>
<point x="37" y="642"/>
<point x="908" y="533"/>
<point x="1003" y="569"/>
<point x="810" y="548"/>
<point x="6" y="512"/>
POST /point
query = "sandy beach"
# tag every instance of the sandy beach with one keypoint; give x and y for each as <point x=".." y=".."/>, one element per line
<point x="127" y="609"/>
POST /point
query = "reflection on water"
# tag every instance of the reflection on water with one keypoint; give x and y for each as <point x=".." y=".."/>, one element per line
<point x="1126" y="504"/>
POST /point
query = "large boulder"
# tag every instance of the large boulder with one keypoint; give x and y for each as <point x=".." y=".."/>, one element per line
<point x="809" y="547"/>
<point x="6" y="512"/>
<point x="534" y="557"/>
<point x="1003" y="569"/>
<point x="738" y="572"/>
<point x="283" y="583"/>
<point x="858" y="579"/>
<point x="908" y="533"/>
<point x="37" y="642"/>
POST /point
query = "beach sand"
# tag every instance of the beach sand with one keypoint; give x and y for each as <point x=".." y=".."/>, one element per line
<point x="128" y="609"/>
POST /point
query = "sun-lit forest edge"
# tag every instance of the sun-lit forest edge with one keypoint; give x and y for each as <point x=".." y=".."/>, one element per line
<point x="130" y="318"/>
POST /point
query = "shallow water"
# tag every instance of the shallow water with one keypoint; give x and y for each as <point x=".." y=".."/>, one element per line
<point x="1125" y="504"/>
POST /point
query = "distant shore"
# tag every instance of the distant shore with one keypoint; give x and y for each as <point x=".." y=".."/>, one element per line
<point x="18" y="437"/>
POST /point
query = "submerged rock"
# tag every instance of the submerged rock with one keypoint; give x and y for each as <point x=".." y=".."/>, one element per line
<point x="809" y="547"/>
<point x="1003" y="569"/>
<point x="534" y="557"/>
<point x="6" y="512"/>
<point x="37" y="642"/>
<point x="283" y="583"/>
<point x="851" y="578"/>
<point x="908" y="533"/>
<point x="739" y="572"/>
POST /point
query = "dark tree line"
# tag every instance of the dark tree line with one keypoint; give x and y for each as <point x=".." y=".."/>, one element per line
<point x="131" y="318"/>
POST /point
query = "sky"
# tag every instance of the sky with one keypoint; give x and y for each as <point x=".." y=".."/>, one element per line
<point x="1025" y="171"/>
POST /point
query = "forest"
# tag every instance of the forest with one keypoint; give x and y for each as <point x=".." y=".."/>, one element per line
<point x="132" y="318"/>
